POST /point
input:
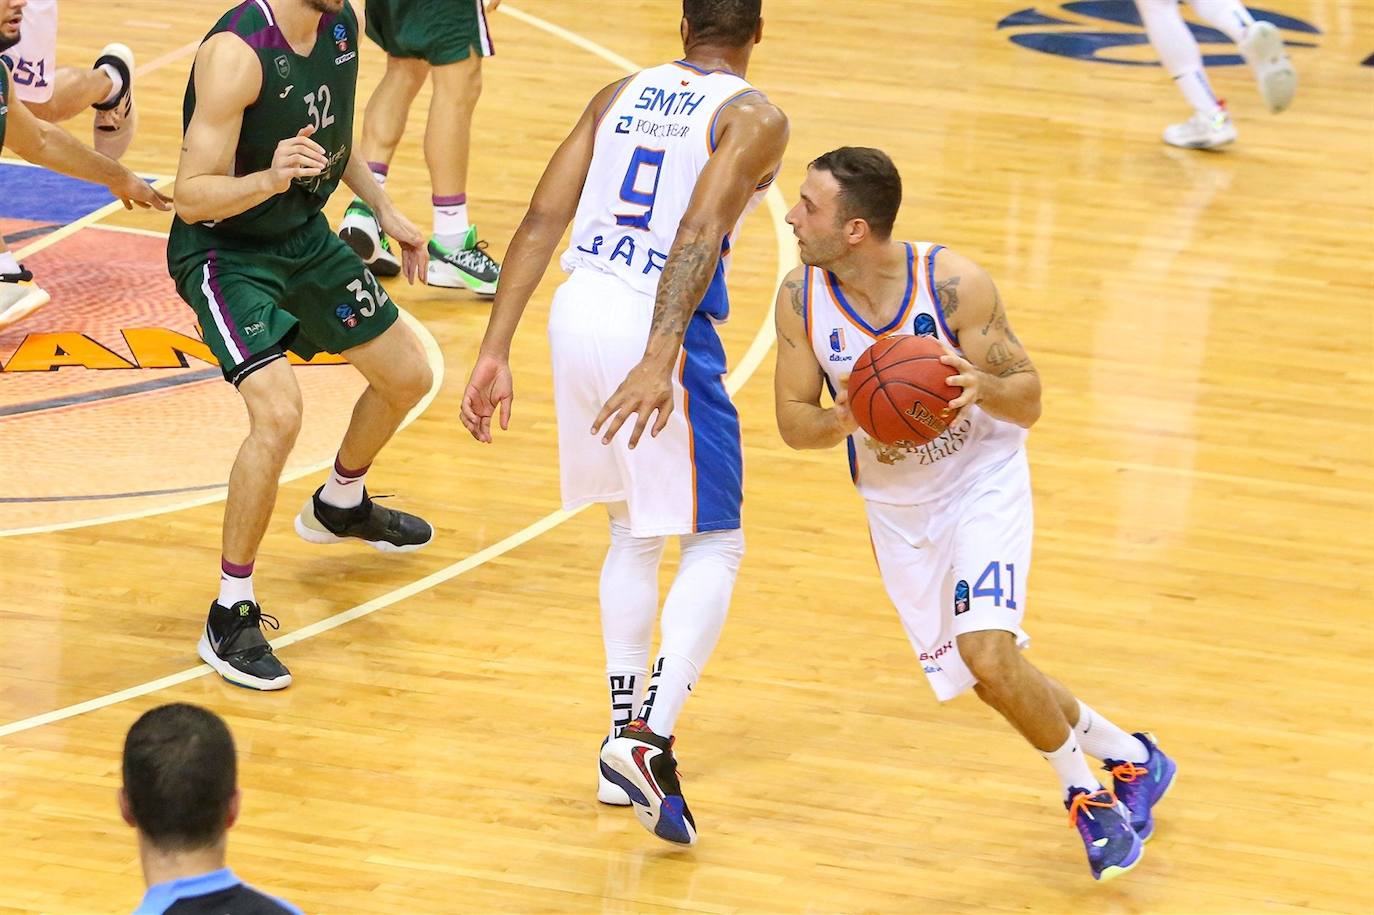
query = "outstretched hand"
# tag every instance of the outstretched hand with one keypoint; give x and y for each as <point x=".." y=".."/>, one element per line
<point x="490" y="387"/>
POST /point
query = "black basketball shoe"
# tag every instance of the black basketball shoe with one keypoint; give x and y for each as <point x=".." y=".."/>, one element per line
<point x="381" y="528"/>
<point x="233" y="644"/>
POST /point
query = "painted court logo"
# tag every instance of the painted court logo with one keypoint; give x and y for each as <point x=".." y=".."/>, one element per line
<point x="1105" y="31"/>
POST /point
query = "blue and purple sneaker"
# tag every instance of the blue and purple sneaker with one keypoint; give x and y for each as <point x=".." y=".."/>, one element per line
<point x="1104" y="824"/>
<point x="1141" y="786"/>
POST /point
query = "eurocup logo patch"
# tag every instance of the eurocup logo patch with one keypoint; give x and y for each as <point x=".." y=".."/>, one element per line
<point x="924" y="326"/>
<point x="1101" y="31"/>
<point x="341" y="37"/>
<point x="961" y="597"/>
<point x="347" y="316"/>
<point x="837" y="340"/>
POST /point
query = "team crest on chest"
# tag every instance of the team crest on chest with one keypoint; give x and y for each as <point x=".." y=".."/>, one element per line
<point x="283" y="66"/>
<point x="837" y="345"/>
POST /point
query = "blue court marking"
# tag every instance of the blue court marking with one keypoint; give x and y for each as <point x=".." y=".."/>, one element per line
<point x="38" y="195"/>
<point x="1083" y="40"/>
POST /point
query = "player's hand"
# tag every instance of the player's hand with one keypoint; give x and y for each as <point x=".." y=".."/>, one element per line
<point x="843" y="415"/>
<point x="489" y="387"/>
<point x="133" y="191"/>
<point x="647" y="390"/>
<point x="972" y="379"/>
<point x="414" y="257"/>
<point x="297" y="157"/>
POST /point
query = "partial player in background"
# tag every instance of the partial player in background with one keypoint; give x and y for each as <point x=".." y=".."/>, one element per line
<point x="444" y="40"/>
<point x="1261" y="44"/>
<point x="44" y="144"/>
<point x="181" y="794"/>
<point x="655" y="176"/>
<point x="55" y="94"/>
<point x="950" y="520"/>
<point x="268" y="119"/>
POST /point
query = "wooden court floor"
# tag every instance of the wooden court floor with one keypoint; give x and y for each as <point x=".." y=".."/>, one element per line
<point x="1202" y="471"/>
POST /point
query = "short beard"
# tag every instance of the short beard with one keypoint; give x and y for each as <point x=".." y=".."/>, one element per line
<point x="326" y="6"/>
<point x="7" y="43"/>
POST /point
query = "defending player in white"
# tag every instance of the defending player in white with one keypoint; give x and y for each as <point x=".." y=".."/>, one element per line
<point x="1260" y="43"/>
<point x="658" y="172"/>
<point x="951" y="520"/>
<point x="55" y="94"/>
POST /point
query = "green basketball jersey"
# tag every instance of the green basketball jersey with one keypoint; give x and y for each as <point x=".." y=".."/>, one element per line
<point x="4" y="101"/>
<point x="296" y="91"/>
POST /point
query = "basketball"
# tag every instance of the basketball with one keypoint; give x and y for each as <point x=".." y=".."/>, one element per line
<point x="899" y="390"/>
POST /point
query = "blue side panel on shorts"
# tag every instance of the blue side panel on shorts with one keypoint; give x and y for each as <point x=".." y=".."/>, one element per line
<point x="716" y="302"/>
<point x="717" y="457"/>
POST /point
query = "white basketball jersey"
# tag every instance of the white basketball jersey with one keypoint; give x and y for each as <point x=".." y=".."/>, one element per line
<point x="652" y="142"/>
<point x="903" y="474"/>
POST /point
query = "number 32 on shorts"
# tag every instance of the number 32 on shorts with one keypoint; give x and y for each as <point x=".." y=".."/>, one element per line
<point x="366" y="300"/>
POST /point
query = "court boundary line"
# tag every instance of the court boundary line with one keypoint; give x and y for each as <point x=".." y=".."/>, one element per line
<point x="748" y="364"/>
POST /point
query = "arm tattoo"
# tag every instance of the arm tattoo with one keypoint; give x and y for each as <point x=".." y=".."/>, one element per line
<point x="684" y="282"/>
<point x="1020" y="367"/>
<point x="795" y="287"/>
<point x="949" y="296"/>
<point x="786" y="339"/>
<point x="999" y="354"/>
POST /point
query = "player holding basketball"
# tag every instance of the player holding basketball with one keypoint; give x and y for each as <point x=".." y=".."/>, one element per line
<point x="951" y="520"/>
<point x="55" y="94"/>
<point x="269" y="133"/>
<point x="444" y="41"/>
<point x="658" y="172"/>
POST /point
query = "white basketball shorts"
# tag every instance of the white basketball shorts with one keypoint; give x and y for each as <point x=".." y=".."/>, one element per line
<point x="687" y="480"/>
<point x="33" y="61"/>
<point x="958" y="564"/>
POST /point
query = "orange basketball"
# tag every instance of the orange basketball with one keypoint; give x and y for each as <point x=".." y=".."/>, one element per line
<point x="898" y="390"/>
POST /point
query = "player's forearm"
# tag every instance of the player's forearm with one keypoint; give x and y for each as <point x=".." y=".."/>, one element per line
<point x="360" y="181"/>
<point x="209" y="198"/>
<point x="54" y="148"/>
<point x="806" y="426"/>
<point x="526" y="260"/>
<point x="686" y="277"/>
<point x="1014" y="397"/>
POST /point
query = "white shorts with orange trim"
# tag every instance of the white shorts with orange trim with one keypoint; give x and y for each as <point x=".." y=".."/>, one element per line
<point x="687" y="480"/>
<point x="958" y="564"/>
<point x="33" y="61"/>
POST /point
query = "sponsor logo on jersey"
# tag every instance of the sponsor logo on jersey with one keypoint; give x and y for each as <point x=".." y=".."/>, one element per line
<point x="344" y="58"/>
<point x="837" y="340"/>
<point x="961" y="597"/>
<point x="924" y="326"/>
<point x="1111" y="32"/>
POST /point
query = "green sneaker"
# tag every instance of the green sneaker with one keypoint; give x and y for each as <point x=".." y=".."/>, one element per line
<point x="467" y="267"/>
<point x="361" y="232"/>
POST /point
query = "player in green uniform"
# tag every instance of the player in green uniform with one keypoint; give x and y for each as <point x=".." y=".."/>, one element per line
<point x="269" y="135"/>
<point x="444" y="40"/>
<point x="52" y="147"/>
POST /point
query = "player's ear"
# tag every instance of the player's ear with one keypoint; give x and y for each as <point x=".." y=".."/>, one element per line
<point x="684" y="31"/>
